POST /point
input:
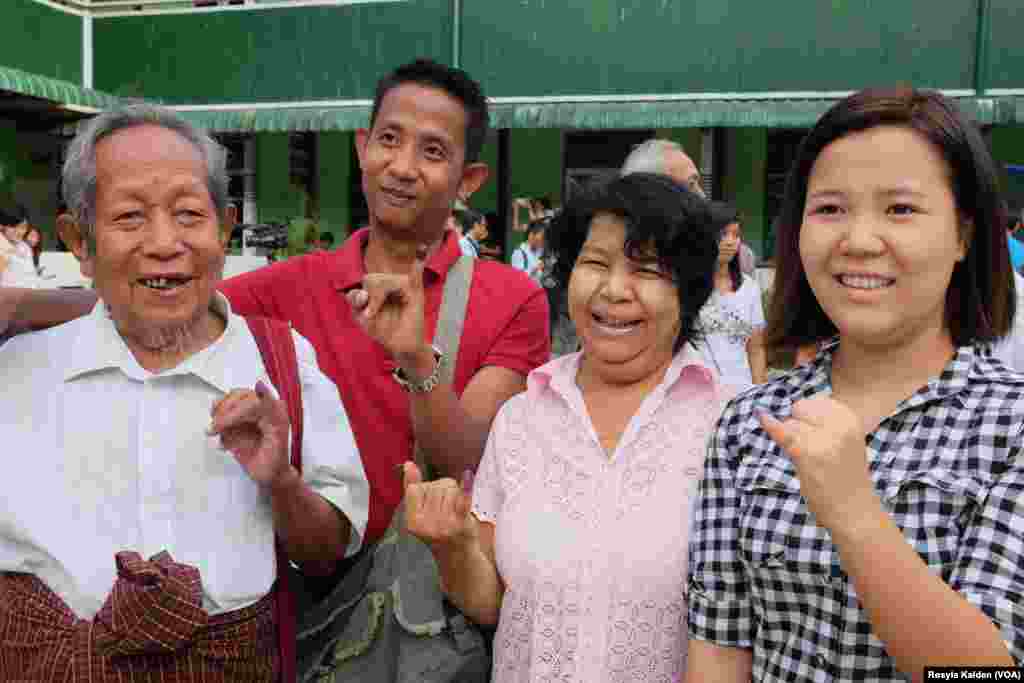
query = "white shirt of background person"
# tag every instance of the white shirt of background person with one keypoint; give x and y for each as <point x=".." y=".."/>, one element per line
<point x="1010" y="349"/>
<point x="17" y="268"/>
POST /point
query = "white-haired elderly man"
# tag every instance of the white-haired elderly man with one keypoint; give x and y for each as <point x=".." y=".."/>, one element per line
<point x="668" y="157"/>
<point x="148" y="460"/>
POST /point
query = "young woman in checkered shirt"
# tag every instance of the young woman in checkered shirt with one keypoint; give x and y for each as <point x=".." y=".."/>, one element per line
<point x="862" y="517"/>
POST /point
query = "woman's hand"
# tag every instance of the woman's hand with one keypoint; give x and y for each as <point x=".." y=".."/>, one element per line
<point x="825" y="440"/>
<point x="438" y="512"/>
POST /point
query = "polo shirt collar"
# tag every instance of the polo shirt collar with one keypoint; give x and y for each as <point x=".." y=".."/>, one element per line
<point x="347" y="268"/>
<point x="100" y="347"/>
<point x="816" y="377"/>
<point x="560" y="374"/>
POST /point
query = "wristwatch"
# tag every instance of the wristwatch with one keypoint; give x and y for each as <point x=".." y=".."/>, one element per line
<point x="424" y="386"/>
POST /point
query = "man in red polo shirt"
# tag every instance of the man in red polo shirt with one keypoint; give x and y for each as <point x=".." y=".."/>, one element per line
<point x="420" y="154"/>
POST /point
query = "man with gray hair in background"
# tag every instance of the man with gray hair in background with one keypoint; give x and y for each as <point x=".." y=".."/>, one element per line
<point x="148" y="470"/>
<point x="668" y="157"/>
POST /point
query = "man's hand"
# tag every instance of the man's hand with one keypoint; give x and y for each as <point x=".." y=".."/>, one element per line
<point x="253" y="426"/>
<point x="390" y="308"/>
<point x="438" y="512"/>
<point x="825" y="441"/>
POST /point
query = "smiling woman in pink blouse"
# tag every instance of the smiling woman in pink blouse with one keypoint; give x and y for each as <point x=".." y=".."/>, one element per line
<point x="575" y="539"/>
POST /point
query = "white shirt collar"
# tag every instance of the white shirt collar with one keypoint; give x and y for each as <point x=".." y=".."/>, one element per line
<point x="100" y="346"/>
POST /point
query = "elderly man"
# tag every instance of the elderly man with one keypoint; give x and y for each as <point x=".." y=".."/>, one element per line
<point x="669" y="158"/>
<point x="147" y="429"/>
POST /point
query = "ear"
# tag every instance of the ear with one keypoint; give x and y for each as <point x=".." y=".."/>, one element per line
<point x="230" y="221"/>
<point x="362" y="138"/>
<point x="966" y="235"/>
<point x="71" y="234"/>
<point x="473" y="177"/>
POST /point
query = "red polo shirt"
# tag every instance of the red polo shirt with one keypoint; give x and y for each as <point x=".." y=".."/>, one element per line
<point x="506" y="325"/>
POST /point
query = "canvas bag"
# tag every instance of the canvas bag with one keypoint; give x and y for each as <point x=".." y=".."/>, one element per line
<point x="387" y="620"/>
<point x="277" y="349"/>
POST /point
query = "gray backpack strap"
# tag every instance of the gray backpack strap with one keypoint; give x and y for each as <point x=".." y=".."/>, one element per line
<point x="448" y="333"/>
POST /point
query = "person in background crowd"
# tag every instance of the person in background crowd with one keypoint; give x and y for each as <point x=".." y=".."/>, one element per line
<point x="732" y="321"/>
<point x="167" y="475"/>
<point x="862" y="517"/>
<point x="20" y="248"/>
<point x="669" y="158"/>
<point x="368" y="307"/>
<point x="474" y="231"/>
<point x="537" y="210"/>
<point x="574" y="541"/>
<point x="528" y="256"/>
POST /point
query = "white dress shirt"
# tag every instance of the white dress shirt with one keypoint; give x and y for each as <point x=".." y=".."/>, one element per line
<point x="101" y="456"/>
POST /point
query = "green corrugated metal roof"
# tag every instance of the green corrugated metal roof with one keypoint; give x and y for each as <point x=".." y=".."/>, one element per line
<point x="61" y="92"/>
<point x="767" y="113"/>
<point x="281" y="120"/>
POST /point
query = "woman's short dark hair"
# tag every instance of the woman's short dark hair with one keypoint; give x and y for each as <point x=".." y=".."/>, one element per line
<point x="659" y="213"/>
<point x="980" y="300"/>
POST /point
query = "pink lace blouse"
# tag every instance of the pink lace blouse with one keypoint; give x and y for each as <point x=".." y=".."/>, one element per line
<point x="592" y="546"/>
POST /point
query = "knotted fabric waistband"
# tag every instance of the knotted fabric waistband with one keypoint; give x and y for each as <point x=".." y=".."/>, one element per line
<point x="152" y="628"/>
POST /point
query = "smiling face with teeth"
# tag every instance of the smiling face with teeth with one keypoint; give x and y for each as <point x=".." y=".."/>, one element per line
<point x="159" y="246"/>
<point x="881" y="236"/>
<point x="626" y="311"/>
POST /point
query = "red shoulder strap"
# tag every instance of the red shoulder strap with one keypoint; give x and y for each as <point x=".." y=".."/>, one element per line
<point x="277" y="348"/>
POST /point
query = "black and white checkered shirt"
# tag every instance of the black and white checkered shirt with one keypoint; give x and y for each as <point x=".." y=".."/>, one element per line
<point x="947" y="464"/>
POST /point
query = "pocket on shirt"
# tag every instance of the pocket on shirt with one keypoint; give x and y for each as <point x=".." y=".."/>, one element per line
<point x="779" y="538"/>
<point x="933" y="508"/>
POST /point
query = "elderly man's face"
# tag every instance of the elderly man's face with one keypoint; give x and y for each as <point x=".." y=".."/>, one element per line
<point x="681" y="169"/>
<point x="159" y="249"/>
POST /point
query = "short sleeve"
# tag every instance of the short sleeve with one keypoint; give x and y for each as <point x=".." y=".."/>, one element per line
<point x="524" y="344"/>
<point x="719" y="604"/>
<point x="755" y="304"/>
<point x="488" y="489"/>
<point x="990" y="569"/>
<point x="331" y="464"/>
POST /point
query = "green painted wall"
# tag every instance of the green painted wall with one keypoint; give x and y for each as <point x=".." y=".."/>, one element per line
<point x="539" y="47"/>
<point x="1006" y="47"/>
<point x="689" y="138"/>
<point x="486" y="198"/>
<point x="334" y="178"/>
<point x="535" y="170"/>
<point x="277" y="199"/>
<point x="743" y="184"/>
<point x="42" y="40"/>
<point x="11" y="159"/>
<point x="1007" y="145"/>
<point x="310" y="53"/>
